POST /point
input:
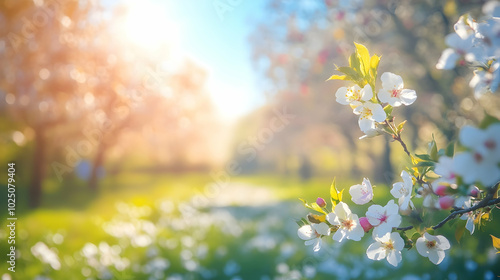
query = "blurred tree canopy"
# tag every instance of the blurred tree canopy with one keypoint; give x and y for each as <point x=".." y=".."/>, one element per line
<point x="72" y="90"/>
<point x="295" y="48"/>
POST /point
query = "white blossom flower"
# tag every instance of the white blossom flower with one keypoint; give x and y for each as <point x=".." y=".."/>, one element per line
<point x="393" y="91"/>
<point x="362" y="193"/>
<point x="465" y="26"/>
<point x="354" y="95"/>
<point x="444" y="168"/>
<point x="433" y="247"/>
<point x="383" y="218"/>
<point x="481" y="163"/>
<point x="459" y="48"/>
<point x="46" y="255"/>
<point x="388" y="246"/>
<point x="402" y="191"/>
<point x="469" y="216"/>
<point x="485" y="81"/>
<point x="492" y="9"/>
<point x="313" y="233"/>
<point x="486" y="142"/>
<point x="372" y="131"/>
<point x="369" y="113"/>
<point x="348" y="223"/>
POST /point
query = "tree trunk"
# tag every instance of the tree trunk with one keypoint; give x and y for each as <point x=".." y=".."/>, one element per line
<point x="98" y="161"/>
<point x="35" y="190"/>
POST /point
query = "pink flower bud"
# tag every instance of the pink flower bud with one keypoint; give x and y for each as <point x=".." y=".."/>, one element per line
<point x="365" y="224"/>
<point x="441" y="190"/>
<point x="446" y="202"/>
<point x="321" y="202"/>
<point x="474" y="192"/>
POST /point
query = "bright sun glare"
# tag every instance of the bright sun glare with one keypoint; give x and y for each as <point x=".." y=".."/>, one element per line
<point x="147" y="25"/>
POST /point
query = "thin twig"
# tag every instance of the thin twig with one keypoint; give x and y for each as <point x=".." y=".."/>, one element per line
<point x="404" y="228"/>
<point x="487" y="201"/>
<point x="398" y="138"/>
<point x="463" y="211"/>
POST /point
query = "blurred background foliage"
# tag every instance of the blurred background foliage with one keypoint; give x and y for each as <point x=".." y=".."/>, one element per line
<point x="107" y="135"/>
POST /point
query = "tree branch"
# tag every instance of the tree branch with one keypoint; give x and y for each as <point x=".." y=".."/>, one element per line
<point x="403" y="144"/>
<point x="487" y="201"/>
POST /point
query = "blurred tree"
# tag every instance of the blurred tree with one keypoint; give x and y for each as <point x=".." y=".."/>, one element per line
<point x="40" y="78"/>
<point x="297" y="43"/>
<point x="68" y="77"/>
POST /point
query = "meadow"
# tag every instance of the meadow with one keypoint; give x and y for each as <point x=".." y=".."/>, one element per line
<point x="163" y="227"/>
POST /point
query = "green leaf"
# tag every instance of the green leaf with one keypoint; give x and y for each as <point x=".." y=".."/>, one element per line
<point x="496" y="242"/>
<point x="487" y="121"/>
<point x="316" y="219"/>
<point x="354" y="62"/>
<point x="433" y="150"/>
<point x="350" y="73"/>
<point x="374" y="61"/>
<point x="388" y="110"/>
<point x="301" y="222"/>
<point x="338" y="77"/>
<point x="414" y="237"/>
<point x="425" y="164"/>
<point x="364" y="58"/>
<point x="459" y="232"/>
<point x="425" y="157"/>
<point x="314" y="206"/>
<point x="335" y="195"/>
<point x="400" y="127"/>
<point x="450" y="149"/>
<point x="408" y="242"/>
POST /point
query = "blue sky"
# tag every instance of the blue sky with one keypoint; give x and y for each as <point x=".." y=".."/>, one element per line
<point x="218" y="41"/>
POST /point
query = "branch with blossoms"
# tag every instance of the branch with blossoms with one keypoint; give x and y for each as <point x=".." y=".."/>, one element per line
<point x="464" y="182"/>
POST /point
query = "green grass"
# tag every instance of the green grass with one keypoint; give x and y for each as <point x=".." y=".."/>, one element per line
<point x="226" y="234"/>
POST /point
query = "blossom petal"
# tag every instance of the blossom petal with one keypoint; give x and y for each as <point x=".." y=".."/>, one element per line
<point x="396" y="189"/>
<point x="398" y="242"/>
<point x="310" y="242"/>
<point x="394" y="257"/>
<point x="422" y="247"/>
<point x="376" y="251"/>
<point x="471" y="136"/>
<point x="339" y="235"/>
<point x="366" y="93"/>
<point x="342" y="211"/>
<point x="392" y="207"/>
<point x="443" y="243"/>
<point x="356" y="232"/>
<point x="341" y="96"/>
<point x="436" y="256"/>
<point x="306" y="232"/>
<point x="333" y="219"/>
<point x="366" y="124"/>
<point x="317" y="246"/>
<point x="378" y="112"/>
<point x="384" y="96"/>
<point x="391" y="81"/>
<point x="470" y="224"/>
<point x="448" y="59"/>
<point x="408" y="96"/>
<point x="373" y="213"/>
<point x="321" y="228"/>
